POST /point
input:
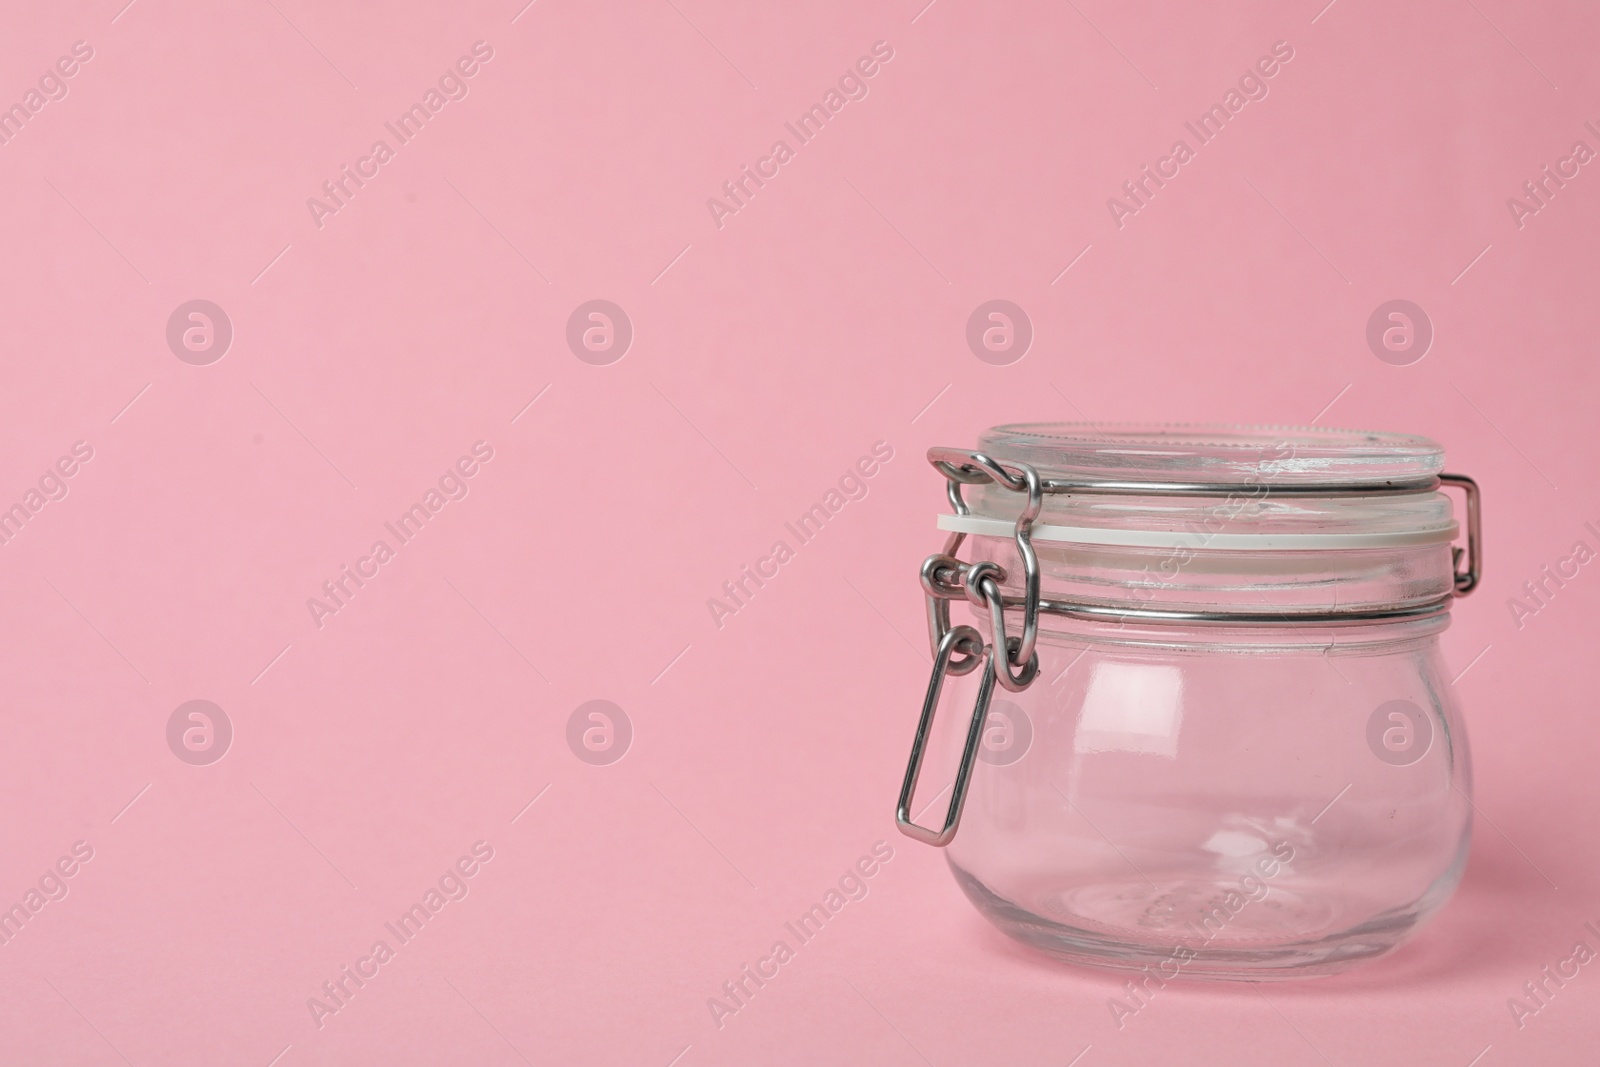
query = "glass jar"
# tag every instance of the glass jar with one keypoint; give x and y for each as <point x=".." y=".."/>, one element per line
<point x="1211" y="732"/>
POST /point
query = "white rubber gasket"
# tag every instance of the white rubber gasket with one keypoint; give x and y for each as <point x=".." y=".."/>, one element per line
<point x="1200" y="538"/>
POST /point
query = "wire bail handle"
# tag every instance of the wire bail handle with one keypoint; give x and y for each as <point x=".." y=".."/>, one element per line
<point x="1467" y="580"/>
<point x="961" y="638"/>
<point x="1011" y="661"/>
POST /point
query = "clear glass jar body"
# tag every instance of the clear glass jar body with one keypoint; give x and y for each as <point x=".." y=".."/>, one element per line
<point x="1277" y="791"/>
<point x="1219" y="801"/>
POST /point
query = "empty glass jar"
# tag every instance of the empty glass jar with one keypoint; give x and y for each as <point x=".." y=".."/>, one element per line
<point x="1200" y="722"/>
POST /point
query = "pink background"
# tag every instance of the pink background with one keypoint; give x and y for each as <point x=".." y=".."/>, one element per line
<point x="768" y="354"/>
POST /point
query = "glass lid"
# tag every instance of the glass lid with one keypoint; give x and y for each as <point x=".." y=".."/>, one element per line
<point x="1213" y="453"/>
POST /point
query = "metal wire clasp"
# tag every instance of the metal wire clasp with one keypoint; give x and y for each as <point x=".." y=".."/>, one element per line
<point x="1011" y="661"/>
<point x="960" y="638"/>
<point x="1467" y="580"/>
<point x="943" y="575"/>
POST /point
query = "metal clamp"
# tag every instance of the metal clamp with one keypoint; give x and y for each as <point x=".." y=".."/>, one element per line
<point x="1013" y="661"/>
<point x="944" y="577"/>
<point x="960" y="637"/>
<point x="1467" y="580"/>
